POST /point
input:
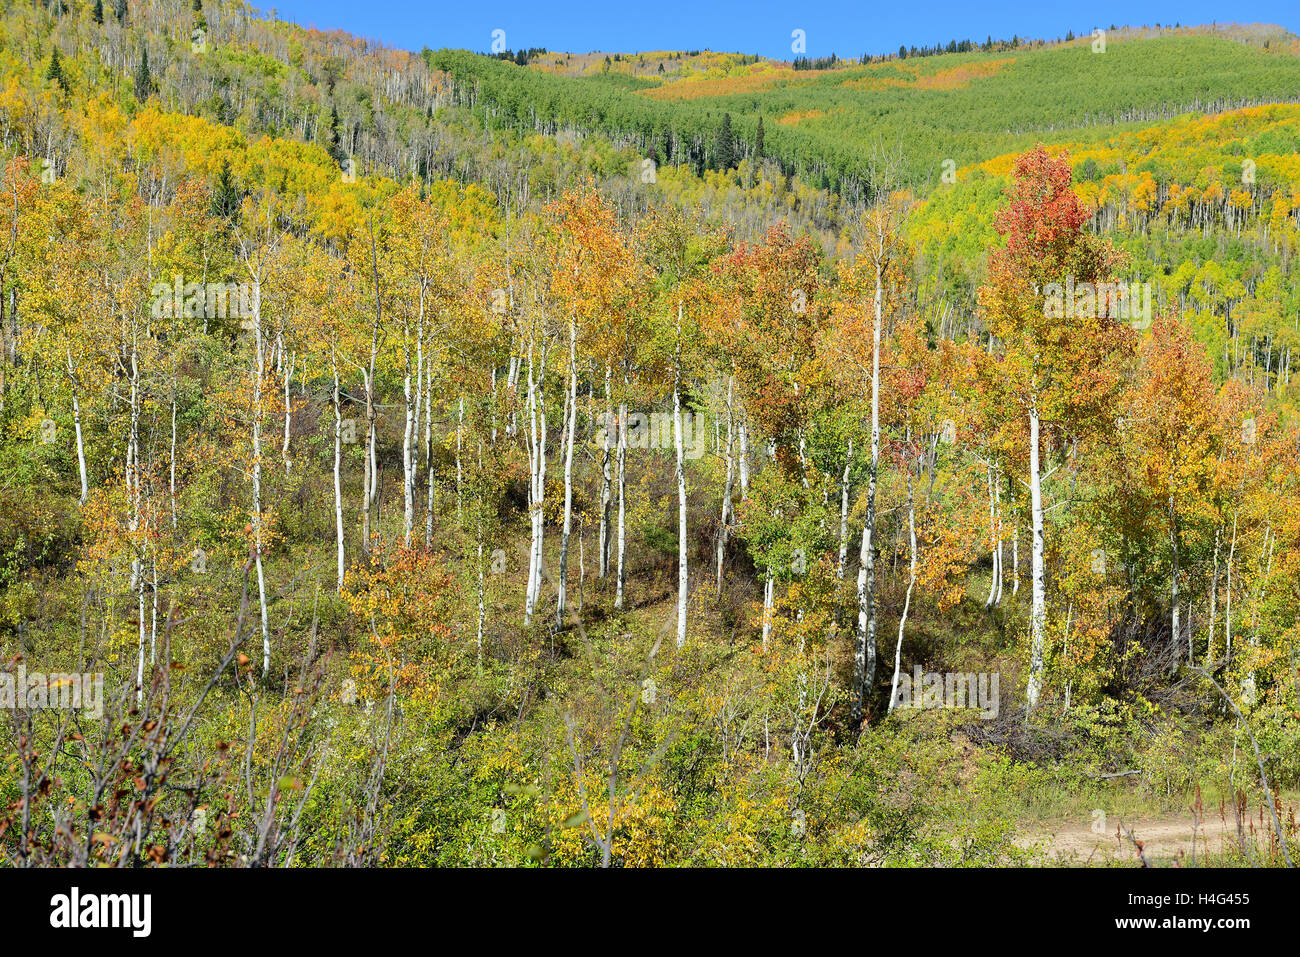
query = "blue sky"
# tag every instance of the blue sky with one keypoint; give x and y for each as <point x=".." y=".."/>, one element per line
<point x="755" y="26"/>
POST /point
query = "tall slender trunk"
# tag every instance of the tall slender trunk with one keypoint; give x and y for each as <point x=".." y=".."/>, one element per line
<point x="1015" y="556"/>
<point x="259" y="373"/>
<point x="907" y="600"/>
<point x="367" y="470"/>
<point x="372" y="463"/>
<point x="997" y="501"/>
<point x="570" y="427"/>
<point x="864" y="661"/>
<point x="153" y="610"/>
<point x="606" y="496"/>
<point x="582" y="561"/>
<point x="1267" y="569"/>
<point x="411" y="425"/>
<point x="409" y="455"/>
<point x="81" y="448"/>
<point x="494" y="405"/>
<point x="537" y="485"/>
<point x="428" y="457"/>
<point x="1214" y="596"/>
<point x="842" y="565"/>
<point x="993" y="537"/>
<point x="171" y="460"/>
<point x="1173" y="579"/>
<point x="1227" y="593"/>
<point x="682" y="572"/>
<point x="1038" y="611"/>
<point x="744" y="455"/>
<point x="482" y="604"/>
<point x="134" y="489"/>
<point x="724" y="523"/>
<point x="288" y="411"/>
<point x="621" y="571"/>
<point x="338" y="472"/>
<point x="512" y="386"/>
<point x="139" y="666"/>
<point x="460" y="472"/>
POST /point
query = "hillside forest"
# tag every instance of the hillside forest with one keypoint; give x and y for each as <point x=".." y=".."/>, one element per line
<point x="436" y="459"/>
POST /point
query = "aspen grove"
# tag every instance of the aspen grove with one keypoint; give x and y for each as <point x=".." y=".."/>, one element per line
<point x="532" y="517"/>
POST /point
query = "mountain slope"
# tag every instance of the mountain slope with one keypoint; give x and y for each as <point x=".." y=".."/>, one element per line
<point x="964" y="107"/>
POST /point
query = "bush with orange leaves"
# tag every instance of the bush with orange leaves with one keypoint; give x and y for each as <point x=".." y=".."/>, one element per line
<point x="401" y="599"/>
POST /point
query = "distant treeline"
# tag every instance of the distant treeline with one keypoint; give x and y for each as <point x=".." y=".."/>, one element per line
<point x="522" y="57"/>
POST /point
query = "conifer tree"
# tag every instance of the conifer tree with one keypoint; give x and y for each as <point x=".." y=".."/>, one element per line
<point x="55" y="71"/>
<point x="143" y="78"/>
<point x="725" y="149"/>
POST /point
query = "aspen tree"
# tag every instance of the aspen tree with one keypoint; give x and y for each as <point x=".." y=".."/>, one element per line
<point x="1039" y="351"/>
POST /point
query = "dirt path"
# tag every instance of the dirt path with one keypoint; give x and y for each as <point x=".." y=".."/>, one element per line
<point x="1162" y="839"/>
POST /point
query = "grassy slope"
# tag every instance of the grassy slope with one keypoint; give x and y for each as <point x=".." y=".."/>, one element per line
<point x="966" y="107"/>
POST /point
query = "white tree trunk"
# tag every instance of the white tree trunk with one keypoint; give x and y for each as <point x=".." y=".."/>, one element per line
<point x="139" y="665"/>
<point x="259" y="372"/>
<point x="134" y="489"/>
<point x="460" y="472"/>
<point x="372" y="459"/>
<point x="482" y="605"/>
<point x="606" y="494"/>
<point x="537" y="485"/>
<point x="620" y="571"/>
<point x="570" y="427"/>
<point x="411" y="434"/>
<point x="724" y="523"/>
<point x="907" y="600"/>
<point x="1015" y="557"/>
<point x="860" y="647"/>
<point x="1214" y="596"/>
<point x="81" y="448"/>
<point x="1270" y="539"/>
<point x="428" y="457"/>
<point x="368" y="473"/>
<point x="153" y="611"/>
<point x="744" y="455"/>
<point x="1174" y="614"/>
<point x="338" y="474"/>
<point x="842" y="565"/>
<point x="865" y="652"/>
<point x="171" y="463"/>
<point x="682" y="575"/>
<point x="1038" y="612"/>
<point x="993" y="550"/>
<point x="997" y="501"/>
<point x="409" y="437"/>
<point x="512" y="385"/>
<point x="288" y="412"/>
<point x="1227" y="593"/>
